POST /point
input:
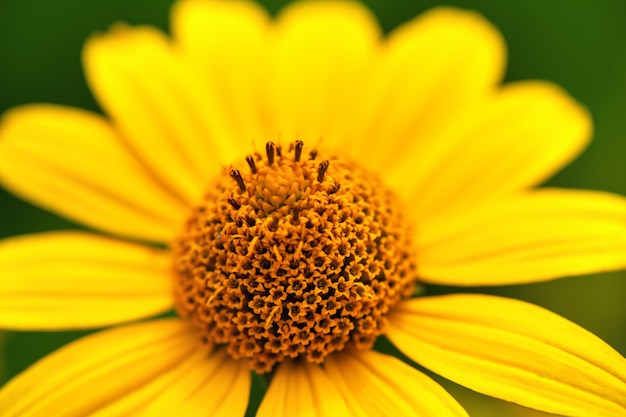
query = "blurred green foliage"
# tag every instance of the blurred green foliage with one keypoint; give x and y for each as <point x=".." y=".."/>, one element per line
<point x="575" y="43"/>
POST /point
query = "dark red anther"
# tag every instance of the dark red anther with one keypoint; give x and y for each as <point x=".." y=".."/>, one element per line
<point x="234" y="203"/>
<point x="269" y="150"/>
<point x="251" y="164"/>
<point x="236" y="175"/>
<point x="298" y="152"/>
<point x="321" y="170"/>
<point x="295" y="216"/>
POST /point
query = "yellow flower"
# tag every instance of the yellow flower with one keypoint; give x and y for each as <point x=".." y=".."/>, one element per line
<point x="305" y="174"/>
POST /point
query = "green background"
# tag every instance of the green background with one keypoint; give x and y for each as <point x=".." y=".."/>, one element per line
<point x="575" y="43"/>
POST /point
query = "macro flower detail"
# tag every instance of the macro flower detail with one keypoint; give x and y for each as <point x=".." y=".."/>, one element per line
<point x="295" y="258"/>
<point x="286" y="184"/>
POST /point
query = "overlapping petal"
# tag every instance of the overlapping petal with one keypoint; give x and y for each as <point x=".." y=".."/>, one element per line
<point x="535" y="236"/>
<point x="317" y="66"/>
<point x="96" y="371"/>
<point x="201" y="385"/>
<point x="233" y="79"/>
<point x="161" y="107"/>
<point x="302" y="389"/>
<point x="432" y="70"/>
<point x="74" y="280"/>
<point x="374" y="384"/>
<point x="517" y="140"/>
<point x="512" y="350"/>
<point x="74" y="163"/>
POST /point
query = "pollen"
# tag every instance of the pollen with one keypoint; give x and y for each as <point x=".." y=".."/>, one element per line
<point x="293" y="255"/>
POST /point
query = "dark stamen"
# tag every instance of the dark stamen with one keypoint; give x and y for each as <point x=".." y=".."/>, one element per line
<point x="321" y="170"/>
<point x="295" y="216"/>
<point x="313" y="154"/>
<point x="250" y="221"/>
<point x="269" y="150"/>
<point x="279" y="151"/>
<point x="250" y="161"/>
<point x="298" y="153"/>
<point x="236" y="175"/>
<point x="234" y="203"/>
<point x="334" y="189"/>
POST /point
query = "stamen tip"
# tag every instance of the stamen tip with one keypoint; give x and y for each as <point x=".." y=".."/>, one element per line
<point x="321" y="170"/>
<point x="269" y="150"/>
<point x="236" y="175"/>
<point x="298" y="151"/>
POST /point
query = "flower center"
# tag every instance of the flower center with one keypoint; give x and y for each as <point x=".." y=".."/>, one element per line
<point x="293" y="258"/>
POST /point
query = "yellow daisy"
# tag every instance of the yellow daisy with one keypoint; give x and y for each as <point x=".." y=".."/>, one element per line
<point x="302" y="175"/>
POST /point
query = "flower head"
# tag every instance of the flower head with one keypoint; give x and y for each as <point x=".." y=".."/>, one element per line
<point x="294" y="259"/>
<point x="305" y="175"/>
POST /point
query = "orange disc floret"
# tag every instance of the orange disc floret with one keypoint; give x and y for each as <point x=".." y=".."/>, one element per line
<point x="293" y="257"/>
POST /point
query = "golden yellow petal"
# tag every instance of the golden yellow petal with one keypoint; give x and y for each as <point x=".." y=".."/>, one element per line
<point x="201" y="385"/>
<point x="530" y="237"/>
<point x="375" y="384"/>
<point x="75" y="280"/>
<point x="160" y="105"/>
<point x="302" y="389"/>
<point x="95" y="371"/>
<point x="316" y="68"/>
<point x="433" y="70"/>
<point x="512" y="350"/>
<point x="520" y="138"/>
<point x="227" y="40"/>
<point x="74" y="163"/>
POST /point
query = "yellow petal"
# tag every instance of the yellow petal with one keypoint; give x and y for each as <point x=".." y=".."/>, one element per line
<point x="74" y="280"/>
<point x="536" y="236"/>
<point x="316" y="67"/>
<point x="94" y="372"/>
<point x="160" y="106"/>
<point x="74" y="163"/>
<point x="227" y="40"/>
<point x="302" y="389"/>
<point x="374" y="384"/>
<point x="433" y="69"/>
<point x="201" y="385"/>
<point x="519" y="139"/>
<point x="512" y="350"/>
